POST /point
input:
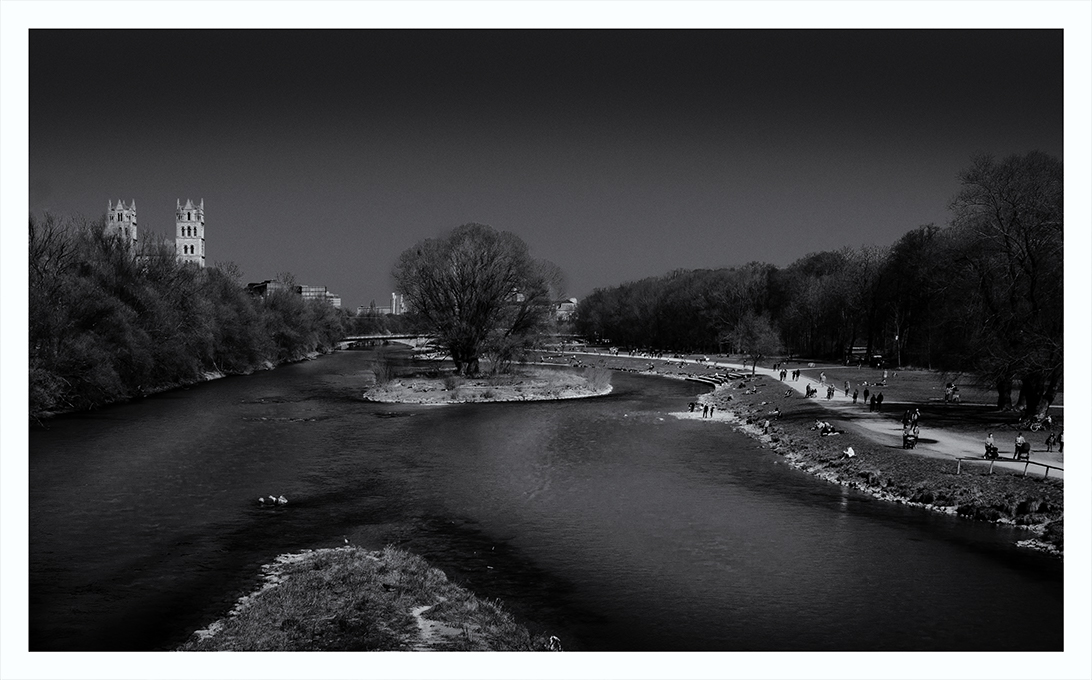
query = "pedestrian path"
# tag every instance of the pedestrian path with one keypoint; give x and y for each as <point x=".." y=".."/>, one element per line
<point x="881" y="430"/>
<point x="887" y="431"/>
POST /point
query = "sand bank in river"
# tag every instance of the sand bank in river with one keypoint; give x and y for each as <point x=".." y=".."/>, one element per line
<point x="524" y="384"/>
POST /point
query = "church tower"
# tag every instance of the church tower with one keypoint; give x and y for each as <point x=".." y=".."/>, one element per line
<point x="121" y="222"/>
<point x="189" y="237"/>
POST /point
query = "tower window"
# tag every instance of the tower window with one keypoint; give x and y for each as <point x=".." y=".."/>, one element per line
<point x="189" y="216"/>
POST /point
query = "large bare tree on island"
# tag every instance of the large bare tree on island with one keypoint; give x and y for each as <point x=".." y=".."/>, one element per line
<point x="480" y="292"/>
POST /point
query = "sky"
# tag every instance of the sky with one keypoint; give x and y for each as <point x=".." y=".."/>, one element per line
<point x="616" y="154"/>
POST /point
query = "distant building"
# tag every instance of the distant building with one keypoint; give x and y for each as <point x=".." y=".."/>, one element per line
<point x="189" y="237"/>
<point x="397" y="306"/>
<point x="189" y="221"/>
<point x="121" y="222"/>
<point x="565" y="309"/>
<point x="319" y="293"/>
<point x="265" y="288"/>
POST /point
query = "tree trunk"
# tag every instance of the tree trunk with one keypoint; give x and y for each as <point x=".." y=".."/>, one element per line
<point x="1050" y="393"/>
<point x="1031" y="394"/>
<point x="1004" y="393"/>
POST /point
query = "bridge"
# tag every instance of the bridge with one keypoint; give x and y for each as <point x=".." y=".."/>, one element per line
<point x="418" y="340"/>
<point x="414" y="340"/>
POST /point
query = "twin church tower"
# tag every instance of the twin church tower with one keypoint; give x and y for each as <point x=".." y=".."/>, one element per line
<point x="189" y="228"/>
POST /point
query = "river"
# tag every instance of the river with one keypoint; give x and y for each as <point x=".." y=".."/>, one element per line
<point x="605" y="521"/>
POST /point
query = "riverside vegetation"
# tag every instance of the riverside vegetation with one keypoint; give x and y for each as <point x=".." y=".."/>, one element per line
<point x="981" y="298"/>
<point x="108" y="324"/>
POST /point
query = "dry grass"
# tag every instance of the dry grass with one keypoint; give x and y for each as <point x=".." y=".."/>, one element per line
<point x="350" y="599"/>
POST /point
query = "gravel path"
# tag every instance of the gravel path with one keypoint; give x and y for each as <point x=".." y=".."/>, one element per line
<point x="887" y="431"/>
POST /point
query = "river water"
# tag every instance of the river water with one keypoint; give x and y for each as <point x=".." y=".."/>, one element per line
<point x="606" y="522"/>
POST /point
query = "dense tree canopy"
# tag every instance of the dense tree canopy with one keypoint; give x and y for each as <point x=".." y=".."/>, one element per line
<point x="480" y="292"/>
<point x="107" y="323"/>
<point x="982" y="297"/>
<point x="1009" y="222"/>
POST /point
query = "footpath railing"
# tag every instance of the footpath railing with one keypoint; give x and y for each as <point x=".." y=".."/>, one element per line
<point x="991" y="461"/>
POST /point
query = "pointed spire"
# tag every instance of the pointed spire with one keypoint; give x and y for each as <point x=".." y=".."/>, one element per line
<point x="133" y="206"/>
<point x="202" y="205"/>
<point x="178" y="204"/>
<point x="109" y="205"/>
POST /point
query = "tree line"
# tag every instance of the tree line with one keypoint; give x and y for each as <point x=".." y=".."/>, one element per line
<point x="981" y="297"/>
<point x="107" y="323"/>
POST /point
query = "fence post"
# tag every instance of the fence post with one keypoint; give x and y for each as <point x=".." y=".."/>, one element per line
<point x="958" y="463"/>
<point x="991" y="466"/>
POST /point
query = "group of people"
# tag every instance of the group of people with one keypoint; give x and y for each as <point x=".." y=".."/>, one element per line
<point x="784" y="373"/>
<point x="707" y="410"/>
<point x="1023" y="448"/>
<point x="875" y="402"/>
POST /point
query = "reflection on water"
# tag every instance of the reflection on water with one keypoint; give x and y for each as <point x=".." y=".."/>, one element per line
<point x="605" y="521"/>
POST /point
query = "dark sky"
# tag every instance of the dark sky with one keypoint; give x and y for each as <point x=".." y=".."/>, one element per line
<point x="616" y="154"/>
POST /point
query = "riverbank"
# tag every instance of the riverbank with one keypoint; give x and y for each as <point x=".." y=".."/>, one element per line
<point x="143" y="392"/>
<point x="351" y="599"/>
<point x="522" y="384"/>
<point x="924" y="477"/>
<point x="885" y="470"/>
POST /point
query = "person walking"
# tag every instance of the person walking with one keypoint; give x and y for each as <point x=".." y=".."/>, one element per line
<point x="705" y="410"/>
<point x="879" y="401"/>
<point x="866" y="397"/>
<point x="1060" y="442"/>
<point x="872" y="403"/>
<point x="1050" y="442"/>
<point x="847" y="388"/>
<point x="854" y="395"/>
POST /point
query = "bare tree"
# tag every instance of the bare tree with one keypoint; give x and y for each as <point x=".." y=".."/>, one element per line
<point x="479" y="291"/>
<point x="1009" y="216"/>
<point x="756" y="338"/>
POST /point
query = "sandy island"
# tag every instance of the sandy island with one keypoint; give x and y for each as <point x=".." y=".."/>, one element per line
<point x="523" y="384"/>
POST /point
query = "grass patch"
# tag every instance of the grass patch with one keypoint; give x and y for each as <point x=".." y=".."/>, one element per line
<point x="350" y="599"/>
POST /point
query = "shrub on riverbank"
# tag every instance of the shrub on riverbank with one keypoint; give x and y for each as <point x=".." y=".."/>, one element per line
<point x="107" y="323"/>
<point x="350" y="599"/>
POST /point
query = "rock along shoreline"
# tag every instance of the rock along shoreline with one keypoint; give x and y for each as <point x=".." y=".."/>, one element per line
<point x="892" y="476"/>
